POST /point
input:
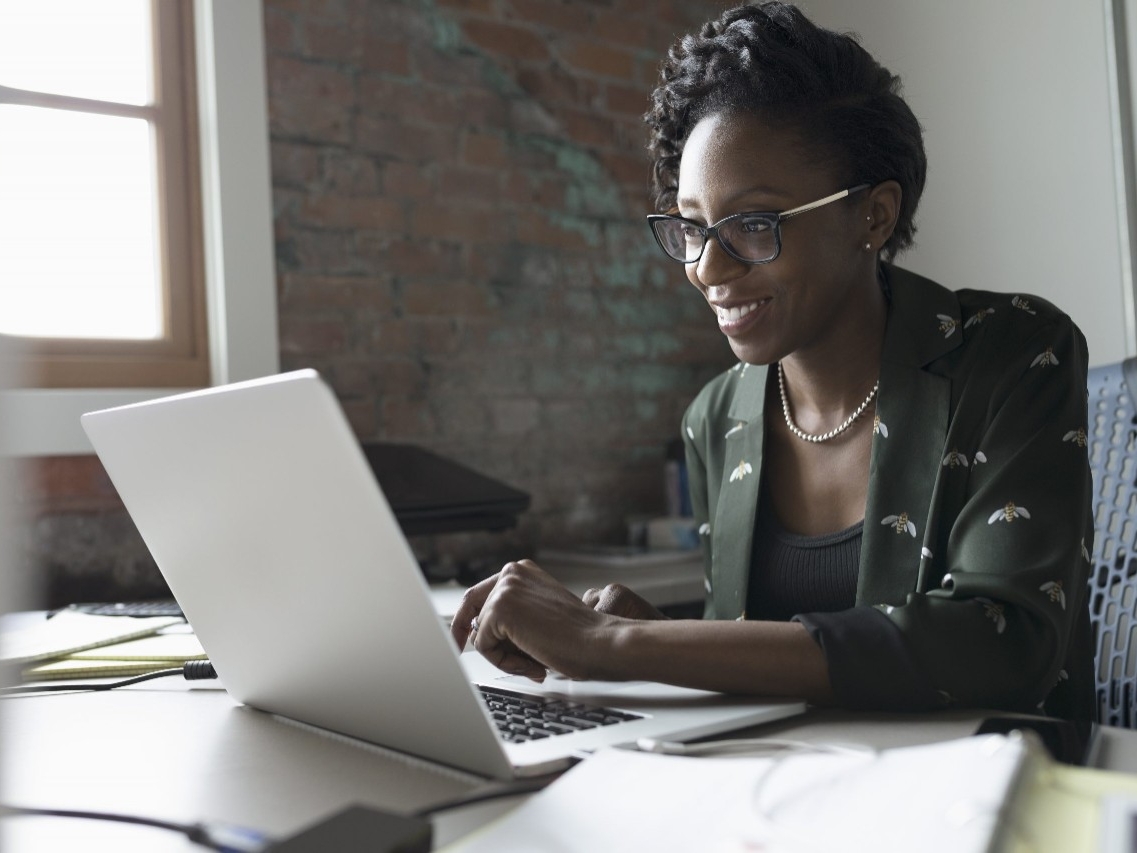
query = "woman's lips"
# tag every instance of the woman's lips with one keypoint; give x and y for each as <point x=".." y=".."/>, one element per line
<point x="737" y="318"/>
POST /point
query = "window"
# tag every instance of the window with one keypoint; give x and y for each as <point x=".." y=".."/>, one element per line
<point x="101" y="263"/>
<point x="240" y="276"/>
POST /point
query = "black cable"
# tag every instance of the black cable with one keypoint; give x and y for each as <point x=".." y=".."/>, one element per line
<point x="194" y="670"/>
<point x="195" y="832"/>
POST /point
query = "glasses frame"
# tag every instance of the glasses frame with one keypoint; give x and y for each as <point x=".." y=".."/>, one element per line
<point x="775" y="219"/>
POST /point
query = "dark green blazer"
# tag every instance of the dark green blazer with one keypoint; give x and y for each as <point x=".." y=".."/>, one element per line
<point x="977" y="524"/>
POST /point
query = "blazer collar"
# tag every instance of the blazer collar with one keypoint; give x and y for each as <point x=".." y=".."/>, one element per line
<point x="923" y="319"/>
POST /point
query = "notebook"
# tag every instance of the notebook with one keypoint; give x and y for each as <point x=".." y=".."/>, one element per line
<point x="264" y="518"/>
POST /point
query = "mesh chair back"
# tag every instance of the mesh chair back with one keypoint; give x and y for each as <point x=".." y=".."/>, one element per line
<point x="1112" y="440"/>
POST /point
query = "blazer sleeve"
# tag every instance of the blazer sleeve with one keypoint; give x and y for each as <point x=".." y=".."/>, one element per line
<point x="996" y="631"/>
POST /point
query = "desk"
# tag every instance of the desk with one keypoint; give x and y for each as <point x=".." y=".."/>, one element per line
<point x="190" y="753"/>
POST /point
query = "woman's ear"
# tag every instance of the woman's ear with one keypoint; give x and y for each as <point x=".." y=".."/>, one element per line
<point x="882" y="209"/>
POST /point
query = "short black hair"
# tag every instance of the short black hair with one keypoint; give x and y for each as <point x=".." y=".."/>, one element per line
<point x="770" y="60"/>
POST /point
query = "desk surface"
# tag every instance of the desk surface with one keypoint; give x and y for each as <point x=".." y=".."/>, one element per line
<point x="190" y="753"/>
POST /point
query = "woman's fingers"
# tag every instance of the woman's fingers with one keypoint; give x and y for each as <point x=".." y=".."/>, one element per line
<point x="470" y="607"/>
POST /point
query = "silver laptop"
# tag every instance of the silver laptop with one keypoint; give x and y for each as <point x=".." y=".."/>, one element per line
<point x="267" y="523"/>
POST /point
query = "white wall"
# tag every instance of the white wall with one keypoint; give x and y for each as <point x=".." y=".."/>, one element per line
<point x="1015" y="100"/>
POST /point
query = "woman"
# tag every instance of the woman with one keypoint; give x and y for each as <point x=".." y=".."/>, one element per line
<point x="892" y="485"/>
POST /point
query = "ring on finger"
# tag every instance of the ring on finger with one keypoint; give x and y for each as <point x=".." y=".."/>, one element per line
<point x="473" y="626"/>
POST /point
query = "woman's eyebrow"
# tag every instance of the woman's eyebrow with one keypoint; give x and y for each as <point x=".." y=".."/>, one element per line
<point x="758" y="190"/>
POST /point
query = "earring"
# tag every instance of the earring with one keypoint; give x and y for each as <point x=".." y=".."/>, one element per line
<point x="868" y="219"/>
<point x="868" y="247"/>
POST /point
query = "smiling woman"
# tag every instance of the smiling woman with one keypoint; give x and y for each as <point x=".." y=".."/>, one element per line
<point x="891" y="517"/>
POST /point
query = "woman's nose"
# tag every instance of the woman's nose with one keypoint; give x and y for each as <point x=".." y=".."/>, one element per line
<point x="716" y="266"/>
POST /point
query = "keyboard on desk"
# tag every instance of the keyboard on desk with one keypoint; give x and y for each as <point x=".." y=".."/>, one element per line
<point x="521" y="716"/>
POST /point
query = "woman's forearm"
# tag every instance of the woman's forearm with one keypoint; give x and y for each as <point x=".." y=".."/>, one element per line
<point x="766" y="658"/>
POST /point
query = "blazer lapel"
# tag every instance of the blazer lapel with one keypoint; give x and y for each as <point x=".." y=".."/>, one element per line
<point x="913" y="410"/>
<point x="733" y="527"/>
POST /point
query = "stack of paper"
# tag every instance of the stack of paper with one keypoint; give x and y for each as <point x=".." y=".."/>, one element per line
<point x="72" y="644"/>
<point x="134" y="657"/>
<point x="943" y="798"/>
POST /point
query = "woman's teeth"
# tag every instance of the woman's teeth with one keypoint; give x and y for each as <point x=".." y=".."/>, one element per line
<point x="730" y="315"/>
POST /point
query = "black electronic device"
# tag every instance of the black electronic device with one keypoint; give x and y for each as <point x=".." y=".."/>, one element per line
<point x="1067" y="741"/>
<point x="432" y="494"/>
<point x="361" y="830"/>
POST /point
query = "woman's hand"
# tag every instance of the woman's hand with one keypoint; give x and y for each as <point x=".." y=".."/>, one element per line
<point x="528" y="623"/>
<point x="617" y="600"/>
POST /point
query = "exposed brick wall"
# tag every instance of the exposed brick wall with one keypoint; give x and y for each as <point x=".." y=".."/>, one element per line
<point x="459" y="188"/>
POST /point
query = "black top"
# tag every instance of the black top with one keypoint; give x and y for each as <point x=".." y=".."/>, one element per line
<point x="792" y="574"/>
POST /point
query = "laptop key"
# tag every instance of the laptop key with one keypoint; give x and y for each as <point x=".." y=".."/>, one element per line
<point x="525" y="717"/>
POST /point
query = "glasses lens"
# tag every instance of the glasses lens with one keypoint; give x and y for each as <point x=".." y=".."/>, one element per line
<point x="751" y="237"/>
<point x="681" y="240"/>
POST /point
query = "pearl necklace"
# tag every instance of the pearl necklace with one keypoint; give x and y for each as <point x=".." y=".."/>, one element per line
<point x="806" y="436"/>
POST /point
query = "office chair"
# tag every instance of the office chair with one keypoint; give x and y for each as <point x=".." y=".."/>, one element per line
<point x="1112" y="442"/>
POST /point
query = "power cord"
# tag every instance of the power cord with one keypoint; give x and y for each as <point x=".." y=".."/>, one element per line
<point x="214" y="836"/>
<point x="193" y="670"/>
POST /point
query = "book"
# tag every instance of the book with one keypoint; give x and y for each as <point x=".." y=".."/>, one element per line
<point x="68" y="632"/>
<point x="79" y="668"/>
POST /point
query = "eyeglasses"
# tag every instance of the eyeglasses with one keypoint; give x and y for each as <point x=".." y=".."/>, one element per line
<point x="753" y="238"/>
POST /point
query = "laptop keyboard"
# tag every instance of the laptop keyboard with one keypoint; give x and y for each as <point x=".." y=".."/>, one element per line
<point x="523" y="717"/>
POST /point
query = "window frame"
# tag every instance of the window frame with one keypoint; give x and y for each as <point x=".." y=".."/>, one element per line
<point x="238" y="261"/>
<point x="181" y="356"/>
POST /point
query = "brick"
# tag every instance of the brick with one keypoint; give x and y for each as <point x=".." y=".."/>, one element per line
<point x="350" y="174"/>
<point x="506" y="40"/>
<point x="558" y="88"/>
<point x="363" y="416"/>
<point x="67" y="483"/>
<point x="630" y="100"/>
<point x="484" y="149"/>
<point x="398" y="256"/>
<point x="483" y="224"/>
<point x="309" y="293"/>
<point x="302" y="335"/>
<point x="393" y="337"/>
<point x="515" y="417"/>
<point x="445" y="299"/>
<point x="446" y="69"/>
<point x="385" y="55"/>
<point x="404" y="21"/>
<point x="290" y="6"/>
<point x="554" y="15"/>
<point x="598" y="58"/>
<point x="337" y="211"/>
<point x="410" y="143"/>
<point x="309" y="119"/>
<point x="340" y="43"/>
<point x="484" y="7"/>
<point x="407" y="180"/>
<point x="406" y="101"/>
<point x="402" y="377"/>
<point x="296" y="79"/>
<point x="589" y="129"/>
<point x="294" y="165"/>
<point x="330" y="9"/>
<point x="408" y="419"/>
<point x="631" y="169"/>
<point x="543" y="232"/>
<point x="459" y="182"/>
<point x="280" y="32"/>
<point x="327" y="252"/>
<point x="438" y="336"/>
<point x="477" y="107"/>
